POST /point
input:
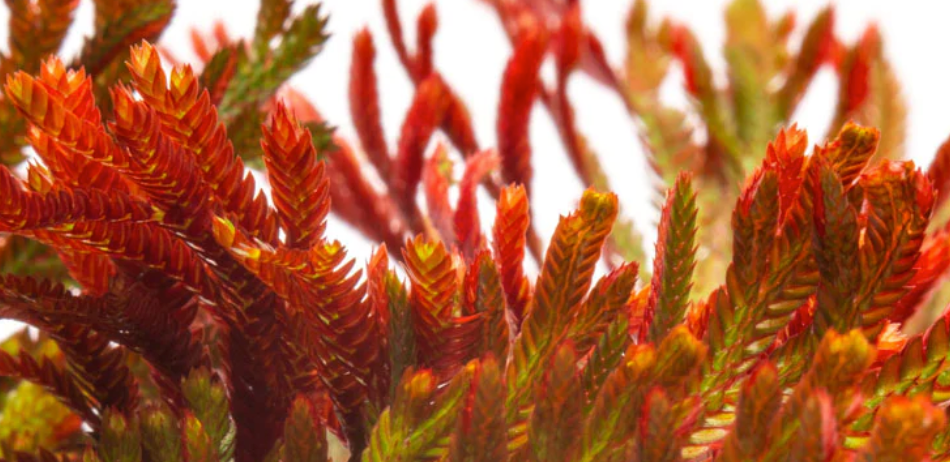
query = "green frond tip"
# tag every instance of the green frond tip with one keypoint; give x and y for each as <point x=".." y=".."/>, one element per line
<point x="480" y="432"/>
<point x="198" y="444"/>
<point x="161" y="435"/>
<point x="419" y="421"/>
<point x="208" y="400"/>
<point x="904" y="429"/>
<point x="120" y="440"/>
<point x="305" y="440"/>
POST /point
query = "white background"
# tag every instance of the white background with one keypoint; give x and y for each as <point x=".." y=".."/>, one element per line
<point x="471" y="51"/>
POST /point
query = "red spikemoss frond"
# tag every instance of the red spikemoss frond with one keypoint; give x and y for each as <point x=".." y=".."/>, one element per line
<point x="92" y="271"/>
<point x="444" y="340"/>
<point x="53" y="378"/>
<point x="480" y="434"/>
<point x="569" y="264"/>
<point x="119" y="24"/>
<point x="318" y="284"/>
<point x="660" y="431"/>
<point x="63" y="208"/>
<point x="604" y="306"/>
<point x="622" y="409"/>
<point x="674" y="261"/>
<point x="508" y="240"/>
<point x="160" y="167"/>
<point x="939" y="173"/>
<point x="518" y="88"/>
<point x="816" y="50"/>
<point x="467" y="224"/>
<point x="841" y="360"/>
<point x="73" y="91"/>
<point x="358" y="202"/>
<point x="557" y="413"/>
<point x="484" y="296"/>
<point x="786" y="155"/>
<point x="42" y="106"/>
<point x="892" y="237"/>
<point x="613" y="416"/>
<point x="697" y="316"/>
<point x="189" y="118"/>
<point x="457" y="122"/>
<point x="152" y="316"/>
<point x="74" y="169"/>
<point x="426" y="26"/>
<point x="437" y="179"/>
<point x="856" y="69"/>
<point x="74" y="86"/>
<point x="425" y="114"/>
<point x="914" y="369"/>
<point x="772" y="273"/>
<point x="364" y="103"/>
<point x="305" y="438"/>
<point x="36" y="29"/>
<point x="377" y="303"/>
<point x="759" y="401"/>
<point x="422" y="414"/>
<point x="146" y="312"/>
<point x="300" y="186"/>
<point x="932" y="265"/>
<point x="149" y="244"/>
<point x="850" y="151"/>
<point x="836" y="249"/>
<point x="394" y="27"/>
<point x="100" y="367"/>
<point x="869" y="92"/>
<point x="905" y="429"/>
<point x="220" y="70"/>
<point x="564" y="280"/>
<point x="605" y="356"/>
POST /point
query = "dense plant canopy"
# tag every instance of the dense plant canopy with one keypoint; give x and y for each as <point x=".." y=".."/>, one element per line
<point x="794" y="309"/>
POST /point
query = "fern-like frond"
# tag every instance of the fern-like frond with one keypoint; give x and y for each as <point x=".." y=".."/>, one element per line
<point x="564" y="281"/>
<point x="512" y="221"/>
<point x="468" y="226"/>
<point x="674" y="262"/>
<point x="445" y="338"/>
<point x="300" y="186"/>
<point x="518" y="89"/>
<point x="364" y="103"/>
<point x="480" y="434"/>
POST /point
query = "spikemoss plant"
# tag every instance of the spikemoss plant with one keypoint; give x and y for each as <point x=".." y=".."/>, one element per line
<point x="793" y="310"/>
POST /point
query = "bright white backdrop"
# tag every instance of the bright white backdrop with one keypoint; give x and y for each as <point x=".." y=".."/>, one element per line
<point x="470" y="51"/>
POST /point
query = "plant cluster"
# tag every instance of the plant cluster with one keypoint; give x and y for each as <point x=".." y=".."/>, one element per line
<point x="792" y="312"/>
